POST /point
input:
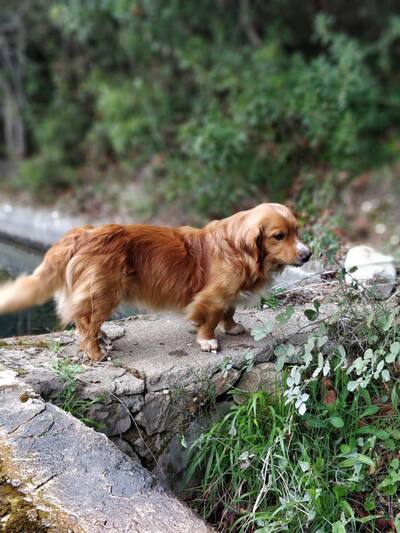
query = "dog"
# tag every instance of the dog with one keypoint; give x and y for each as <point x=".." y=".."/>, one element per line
<point x="202" y="272"/>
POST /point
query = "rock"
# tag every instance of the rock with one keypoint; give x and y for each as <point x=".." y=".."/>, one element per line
<point x="171" y="465"/>
<point x="128" y="384"/>
<point x="113" y="331"/>
<point x="7" y="377"/>
<point x="109" y="379"/>
<point x="125" y="448"/>
<point x="86" y="482"/>
<point x="160" y="413"/>
<point x="45" y="383"/>
<point x="223" y="381"/>
<point x="375" y="272"/>
<point x="260" y="377"/>
<point x="148" y="447"/>
<point x="113" y="419"/>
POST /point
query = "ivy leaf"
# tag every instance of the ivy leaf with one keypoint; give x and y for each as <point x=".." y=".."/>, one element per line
<point x="260" y="332"/>
<point x="326" y="368"/>
<point x="302" y="409"/>
<point x="391" y="357"/>
<point x="311" y="314"/>
<point x="395" y="348"/>
<point x="336" y="421"/>
<point x="321" y="341"/>
<point x="352" y="385"/>
<point x="286" y="315"/>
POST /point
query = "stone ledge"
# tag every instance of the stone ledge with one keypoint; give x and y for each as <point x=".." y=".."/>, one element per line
<point x="156" y="380"/>
<point x="77" y="474"/>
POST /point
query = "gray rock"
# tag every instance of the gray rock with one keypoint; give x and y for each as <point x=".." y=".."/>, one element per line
<point x="113" y="419"/>
<point x="88" y="485"/>
<point x="223" y="381"/>
<point x="127" y="384"/>
<point x="148" y="447"/>
<point x="260" y="377"/>
<point x="159" y="413"/>
<point x="125" y="448"/>
<point x="295" y="277"/>
<point x="375" y="272"/>
<point x="172" y="463"/>
<point x="113" y="331"/>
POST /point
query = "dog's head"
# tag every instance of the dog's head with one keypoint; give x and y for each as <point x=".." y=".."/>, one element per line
<point x="269" y="233"/>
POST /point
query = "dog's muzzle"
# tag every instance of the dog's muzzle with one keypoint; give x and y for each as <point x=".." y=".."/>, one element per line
<point x="304" y="254"/>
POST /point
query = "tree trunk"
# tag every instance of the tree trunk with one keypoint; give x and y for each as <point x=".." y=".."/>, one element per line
<point x="14" y="131"/>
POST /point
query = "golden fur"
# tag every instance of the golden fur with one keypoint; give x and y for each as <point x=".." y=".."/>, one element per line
<point x="199" y="271"/>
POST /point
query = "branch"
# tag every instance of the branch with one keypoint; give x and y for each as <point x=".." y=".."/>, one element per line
<point x="246" y="23"/>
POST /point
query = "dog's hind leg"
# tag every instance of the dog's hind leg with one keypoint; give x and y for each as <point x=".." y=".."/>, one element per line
<point x="89" y="327"/>
<point x="88" y="310"/>
<point x="228" y="325"/>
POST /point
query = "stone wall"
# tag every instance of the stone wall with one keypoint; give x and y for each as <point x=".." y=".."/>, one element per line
<point x="155" y="384"/>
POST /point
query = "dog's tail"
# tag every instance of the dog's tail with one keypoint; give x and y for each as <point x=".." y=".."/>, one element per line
<point x="27" y="291"/>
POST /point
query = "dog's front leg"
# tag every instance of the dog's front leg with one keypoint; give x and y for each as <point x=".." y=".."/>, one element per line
<point x="206" y="311"/>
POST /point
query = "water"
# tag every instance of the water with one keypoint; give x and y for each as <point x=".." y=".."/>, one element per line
<point x="17" y="259"/>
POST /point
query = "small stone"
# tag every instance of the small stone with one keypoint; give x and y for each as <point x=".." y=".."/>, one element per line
<point x="223" y="381"/>
<point x="262" y="377"/>
<point x="158" y="413"/>
<point x="127" y="384"/>
<point x="113" y="331"/>
<point x="375" y="272"/>
<point x="125" y="448"/>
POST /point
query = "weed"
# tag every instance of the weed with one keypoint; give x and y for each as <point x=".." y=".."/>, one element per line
<point x="271" y="301"/>
<point x="68" y="400"/>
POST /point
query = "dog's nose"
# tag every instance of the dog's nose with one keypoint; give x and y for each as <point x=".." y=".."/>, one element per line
<point x="305" y="255"/>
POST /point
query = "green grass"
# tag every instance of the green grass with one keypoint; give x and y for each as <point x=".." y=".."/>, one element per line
<point x="68" y="399"/>
<point x="267" y="469"/>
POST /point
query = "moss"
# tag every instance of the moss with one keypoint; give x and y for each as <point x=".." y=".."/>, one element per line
<point x="18" y="514"/>
<point x="27" y="343"/>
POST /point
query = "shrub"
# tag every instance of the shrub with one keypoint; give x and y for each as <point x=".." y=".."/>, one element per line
<point x="321" y="455"/>
<point x="241" y="100"/>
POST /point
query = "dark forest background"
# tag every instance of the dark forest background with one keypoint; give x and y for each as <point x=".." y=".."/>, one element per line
<point x="213" y="105"/>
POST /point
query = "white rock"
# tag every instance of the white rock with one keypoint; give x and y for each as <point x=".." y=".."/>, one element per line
<point x="376" y="272"/>
<point x="7" y="377"/>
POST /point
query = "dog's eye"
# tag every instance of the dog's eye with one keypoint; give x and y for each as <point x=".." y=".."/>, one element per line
<point x="279" y="236"/>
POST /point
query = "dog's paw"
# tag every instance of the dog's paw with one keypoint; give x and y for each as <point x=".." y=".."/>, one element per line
<point x="208" y="345"/>
<point x="237" y="329"/>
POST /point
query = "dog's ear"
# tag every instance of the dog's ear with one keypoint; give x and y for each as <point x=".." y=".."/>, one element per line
<point x="260" y="244"/>
<point x="253" y="243"/>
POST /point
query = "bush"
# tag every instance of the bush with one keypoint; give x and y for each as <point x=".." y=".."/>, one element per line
<point x="240" y="100"/>
<point x="321" y="455"/>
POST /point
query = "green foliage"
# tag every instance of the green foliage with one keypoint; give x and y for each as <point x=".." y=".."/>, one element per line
<point x="241" y="99"/>
<point x="266" y="468"/>
<point x="321" y="455"/>
<point x="68" y="399"/>
<point x="45" y="173"/>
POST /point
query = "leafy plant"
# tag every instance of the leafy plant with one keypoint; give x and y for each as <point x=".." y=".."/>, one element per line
<point x="322" y="454"/>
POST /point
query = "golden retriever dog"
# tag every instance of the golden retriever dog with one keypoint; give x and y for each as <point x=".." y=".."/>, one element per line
<point x="202" y="272"/>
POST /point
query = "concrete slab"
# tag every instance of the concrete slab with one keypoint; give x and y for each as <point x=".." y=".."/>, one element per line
<point x="77" y="474"/>
<point x="155" y="380"/>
